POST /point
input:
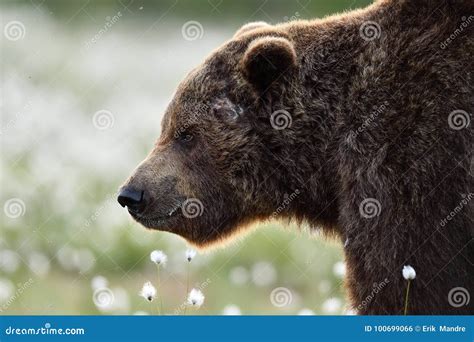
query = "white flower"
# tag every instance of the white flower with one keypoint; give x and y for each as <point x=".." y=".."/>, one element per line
<point x="99" y="282"/>
<point x="408" y="272"/>
<point x="195" y="298"/>
<point x="263" y="273"/>
<point x="332" y="305"/>
<point x="140" y="313"/>
<point x="148" y="291"/>
<point x="350" y="312"/>
<point x="306" y="312"/>
<point x="158" y="257"/>
<point x="190" y="254"/>
<point x="339" y="269"/>
<point x="6" y="289"/>
<point x="231" y="310"/>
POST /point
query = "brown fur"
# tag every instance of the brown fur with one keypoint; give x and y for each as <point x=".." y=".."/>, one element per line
<point x="218" y="145"/>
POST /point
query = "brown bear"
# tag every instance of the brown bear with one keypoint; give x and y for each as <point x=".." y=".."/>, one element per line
<point x="357" y="123"/>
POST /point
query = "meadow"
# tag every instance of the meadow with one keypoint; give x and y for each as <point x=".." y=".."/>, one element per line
<point x="83" y="90"/>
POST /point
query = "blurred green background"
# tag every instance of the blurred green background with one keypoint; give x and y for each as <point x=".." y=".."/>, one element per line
<point x="84" y="85"/>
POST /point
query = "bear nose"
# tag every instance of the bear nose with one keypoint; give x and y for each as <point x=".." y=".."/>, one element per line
<point x="132" y="199"/>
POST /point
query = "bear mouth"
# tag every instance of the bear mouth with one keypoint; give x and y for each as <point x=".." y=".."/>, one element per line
<point x="155" y="221"/>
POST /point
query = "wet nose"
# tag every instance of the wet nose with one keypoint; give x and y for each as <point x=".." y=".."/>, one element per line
<point x="132" y="199"/>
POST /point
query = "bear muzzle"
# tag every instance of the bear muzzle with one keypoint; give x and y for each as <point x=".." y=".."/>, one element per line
<point x="132" y="199"/>
<point x="153" y="206"/>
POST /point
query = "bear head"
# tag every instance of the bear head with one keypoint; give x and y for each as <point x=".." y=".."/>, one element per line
<point x="223" y="134"/>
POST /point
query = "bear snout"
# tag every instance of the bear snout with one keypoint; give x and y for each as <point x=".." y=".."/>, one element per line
<point x="132" y="198"/>
<point x="153" y="202"/>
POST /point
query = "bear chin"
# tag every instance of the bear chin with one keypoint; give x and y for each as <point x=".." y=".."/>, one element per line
<point x="159" y="223"/>
<point x="174" y="225"/>
<point x="229" y="234"/>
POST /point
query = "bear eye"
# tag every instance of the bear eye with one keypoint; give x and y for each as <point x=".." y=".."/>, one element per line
<point x="185" y="137"/>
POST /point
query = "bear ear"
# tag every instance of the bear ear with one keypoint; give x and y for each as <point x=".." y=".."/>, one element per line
<point x="249" y="27"/>
<point x="267" y="60"/>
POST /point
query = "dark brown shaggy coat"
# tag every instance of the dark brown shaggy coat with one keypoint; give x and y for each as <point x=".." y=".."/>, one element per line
<point x="365" y="116"/>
